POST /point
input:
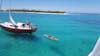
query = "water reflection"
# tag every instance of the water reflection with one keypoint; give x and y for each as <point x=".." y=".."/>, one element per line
<point x="57" y="50"/>
<point x="26" y="37"/>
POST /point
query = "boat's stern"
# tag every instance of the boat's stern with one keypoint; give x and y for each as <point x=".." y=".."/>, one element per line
<point x="34" y="29"/>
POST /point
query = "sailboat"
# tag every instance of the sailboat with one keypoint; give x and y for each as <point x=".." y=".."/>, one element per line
<point x="19" y="27"/>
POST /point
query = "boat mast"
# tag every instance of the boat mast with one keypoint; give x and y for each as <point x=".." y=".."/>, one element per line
<point x="10" y="17"/>
<point x="1" y="2"/>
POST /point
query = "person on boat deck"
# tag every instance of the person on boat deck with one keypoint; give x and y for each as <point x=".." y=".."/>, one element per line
<point x="23" y="25"/>
<point x="28" y="23"/>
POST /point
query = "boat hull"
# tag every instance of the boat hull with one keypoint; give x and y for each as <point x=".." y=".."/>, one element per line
<point x="15" y="30"/>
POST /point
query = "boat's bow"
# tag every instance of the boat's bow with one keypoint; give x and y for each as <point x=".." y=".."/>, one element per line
<point x="96" y="49"/>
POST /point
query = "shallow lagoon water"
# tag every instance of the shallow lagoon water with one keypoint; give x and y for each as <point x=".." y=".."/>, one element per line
<point x="77" y="35"/>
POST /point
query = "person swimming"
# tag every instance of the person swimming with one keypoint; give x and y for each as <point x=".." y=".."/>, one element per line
<point x="50" y="37"/>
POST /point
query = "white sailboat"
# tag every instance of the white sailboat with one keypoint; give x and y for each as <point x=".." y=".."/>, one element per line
<point x="12" y="26"/>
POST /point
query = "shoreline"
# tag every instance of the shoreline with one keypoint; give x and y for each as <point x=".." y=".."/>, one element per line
<point x="34" y="11"/>
<point x="39" y="13"/>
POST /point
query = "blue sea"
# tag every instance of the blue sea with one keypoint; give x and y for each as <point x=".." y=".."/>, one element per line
<point x="77" y="34"/>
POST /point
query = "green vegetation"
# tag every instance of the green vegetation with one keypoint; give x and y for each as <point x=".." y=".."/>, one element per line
<point x="26" y="10"/>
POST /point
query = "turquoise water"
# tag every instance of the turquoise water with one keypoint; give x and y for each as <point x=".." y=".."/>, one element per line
<point x="77" y="35"/>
